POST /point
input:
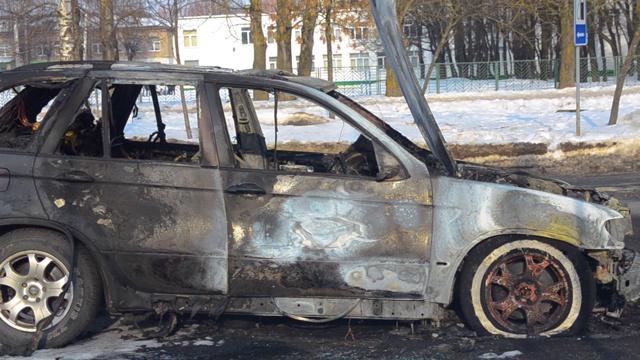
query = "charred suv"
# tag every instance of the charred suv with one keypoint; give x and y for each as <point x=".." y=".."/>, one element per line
<point x="244" y="219"/>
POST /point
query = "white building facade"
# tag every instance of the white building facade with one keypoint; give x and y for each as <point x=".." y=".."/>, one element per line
<point x="225" y="41"/>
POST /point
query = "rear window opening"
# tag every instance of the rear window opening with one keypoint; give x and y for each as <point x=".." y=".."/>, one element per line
<point x="22" y="110"/>
<point x="132" y="109"/>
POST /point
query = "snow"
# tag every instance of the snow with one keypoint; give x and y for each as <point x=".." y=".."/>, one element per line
<point x="112" y="343"/>
<point x="506" y="355"/>
<point x="502" y="117"/>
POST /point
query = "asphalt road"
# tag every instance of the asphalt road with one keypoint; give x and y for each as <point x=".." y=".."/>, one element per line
<point x="259" y="338"/>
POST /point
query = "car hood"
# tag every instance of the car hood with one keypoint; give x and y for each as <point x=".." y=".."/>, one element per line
<point x="386" y="19"/>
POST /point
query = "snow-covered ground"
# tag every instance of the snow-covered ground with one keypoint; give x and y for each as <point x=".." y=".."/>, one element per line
<point x="480" y="127"/>
<point x="468" y="118"/>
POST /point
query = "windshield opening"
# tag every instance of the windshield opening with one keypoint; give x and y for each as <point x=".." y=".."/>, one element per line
<point x="422" y="154"/>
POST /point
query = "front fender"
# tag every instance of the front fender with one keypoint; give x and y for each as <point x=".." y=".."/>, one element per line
<point x="468" y="212"/>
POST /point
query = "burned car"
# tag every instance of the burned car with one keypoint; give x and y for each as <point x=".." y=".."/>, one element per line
<point x="244" y="220"/>
<point x="239" y="221"/>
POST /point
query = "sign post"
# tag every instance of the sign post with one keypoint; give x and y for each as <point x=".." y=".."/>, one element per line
<point x="580" y="39"/>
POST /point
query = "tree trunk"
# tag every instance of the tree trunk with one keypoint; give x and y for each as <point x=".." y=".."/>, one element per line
<point x="546" y="57"/>
<point x="259" y="43"/>
<point x="17" y="49"/>
<point x="70" y="33"/>
<point x="605" y="76"/>
<point x="393" y="88"/>
<point x="283" y="34"/>
<point x="591" y="47"/>
<point x="615" y="36"/>
<point x="309" y="20"/>
<point x="328" y="35"/>
<point x="444" y="39"/>
<point x="628" y="60"/>
<point x="567" y="47"/>
<point x="174" y="28"/>
<point x="108" y="31"/>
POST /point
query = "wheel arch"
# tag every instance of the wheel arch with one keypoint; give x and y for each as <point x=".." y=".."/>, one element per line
<point x="573" y="253"/>
<point x="498" y="240"/>
<point x="447" y="277"/>
<point x="8" y="225"/>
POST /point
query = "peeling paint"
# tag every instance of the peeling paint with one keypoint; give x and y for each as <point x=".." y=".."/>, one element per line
<point x="386" y="277"/>
<point x="100" y="210"/>
<point x="105" y="222"/>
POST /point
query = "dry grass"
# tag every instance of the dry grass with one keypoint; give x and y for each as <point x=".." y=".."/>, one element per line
<point x="302" y="119"/>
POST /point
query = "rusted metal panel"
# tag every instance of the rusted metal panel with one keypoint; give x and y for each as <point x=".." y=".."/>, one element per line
<point x="322" y="309"/>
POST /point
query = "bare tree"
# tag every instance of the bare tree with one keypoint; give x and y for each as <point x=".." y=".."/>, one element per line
<point x="34" y="28"/>
<point x="167" y="13"/>
<point x="284" y="16"/>
<point x="327" y="11"/>
<point x="391" y="82"/>
<point x="439" y="17"/>
<point x="567" y="75"/>
<point x="259" y="43"/>
<point x="309" y="21"/>
<point x="108" y="37"/>
<point x="633" y="47"/>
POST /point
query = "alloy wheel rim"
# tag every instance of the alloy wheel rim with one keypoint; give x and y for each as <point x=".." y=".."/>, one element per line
<point x="30" y="282"/>
<point x="527" y="293"/>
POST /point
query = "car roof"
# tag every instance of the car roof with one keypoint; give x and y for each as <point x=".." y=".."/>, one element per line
<point x="80" y="68"/>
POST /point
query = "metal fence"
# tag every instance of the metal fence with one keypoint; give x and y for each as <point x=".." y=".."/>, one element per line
<point x="486" y="76"/>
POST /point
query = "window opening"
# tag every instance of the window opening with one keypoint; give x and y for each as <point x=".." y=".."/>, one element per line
<point x="133" y="124"/>
<point x="22" y="111"/>
<point x="299" y="136"/>
<point x="190" y="38"/>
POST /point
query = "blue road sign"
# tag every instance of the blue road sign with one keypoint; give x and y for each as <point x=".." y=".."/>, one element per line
<point x="580" y="34"/>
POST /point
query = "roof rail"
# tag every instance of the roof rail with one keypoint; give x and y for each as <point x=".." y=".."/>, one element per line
<point x="113" y="65"/>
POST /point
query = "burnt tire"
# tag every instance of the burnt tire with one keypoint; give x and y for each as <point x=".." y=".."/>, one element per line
<point x="526" y="287"/>
<point x="34" y="265"/>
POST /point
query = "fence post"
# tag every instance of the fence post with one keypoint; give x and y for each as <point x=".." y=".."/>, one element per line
<point x="496" y="70"/>
<point x="438" y="78"/>
<point x="556" y="73"/>
<point x="378" y="84"/>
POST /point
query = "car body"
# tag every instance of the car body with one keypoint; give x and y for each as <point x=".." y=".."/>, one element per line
<point x="239" y="221"/>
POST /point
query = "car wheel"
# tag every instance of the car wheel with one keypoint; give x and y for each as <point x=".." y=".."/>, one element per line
<point x="34" y="266"/>
<point x="526" y="287"/>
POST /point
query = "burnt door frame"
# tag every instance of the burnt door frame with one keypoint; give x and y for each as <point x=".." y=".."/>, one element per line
<point x="161" y="226"/>
<point x="325" y="235"/>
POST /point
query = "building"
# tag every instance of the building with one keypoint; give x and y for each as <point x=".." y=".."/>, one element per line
<point x="151" y="43"/>
<point x="225" y="40"/>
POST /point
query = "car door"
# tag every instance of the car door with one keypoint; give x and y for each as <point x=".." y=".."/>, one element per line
<point x="297" y="230"/>
<point x="159" y="222"/>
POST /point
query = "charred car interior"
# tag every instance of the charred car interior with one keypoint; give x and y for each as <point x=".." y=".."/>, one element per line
<point x="243" y="218"/>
